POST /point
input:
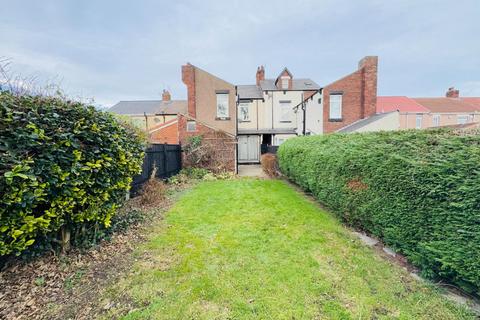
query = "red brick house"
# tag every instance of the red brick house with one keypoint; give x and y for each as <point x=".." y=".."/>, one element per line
<point x="211" y="113"/>
<point x="351" y="98"/>
<point x="421" y="113"/>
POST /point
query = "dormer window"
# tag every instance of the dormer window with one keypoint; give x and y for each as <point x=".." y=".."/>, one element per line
<point x="285" y="82"/>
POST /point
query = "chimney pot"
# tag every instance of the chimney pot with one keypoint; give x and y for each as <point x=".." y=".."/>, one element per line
<point x="166" y="95"/>
<point x="452" y="93"/>
<point x="260" y="74"/>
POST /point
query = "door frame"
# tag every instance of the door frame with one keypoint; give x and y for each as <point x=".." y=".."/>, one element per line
<point x="258" y="149"/>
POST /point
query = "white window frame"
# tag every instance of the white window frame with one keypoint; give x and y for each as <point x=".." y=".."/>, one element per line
<point x="242" y="117"/>
<point x="335" y="106"/>
<point x="285" y="81"/>
<point x="222" y="105"/>
<point x="279" y="141"/>
<point x="191" y="126"/>
<point x="464" y="117"/>
<point x="436" y="120"/>
<point x="418" y="121"/>
<point x="285" y="110"/>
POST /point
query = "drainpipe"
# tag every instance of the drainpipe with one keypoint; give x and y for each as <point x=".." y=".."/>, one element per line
<point x="236" y="130"/>
<point x="272" y="111"/>
<point x="304" y="109"/>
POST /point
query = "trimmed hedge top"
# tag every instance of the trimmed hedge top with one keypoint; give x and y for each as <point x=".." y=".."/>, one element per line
<point x="417" y="190"/>
<point x="61" y="163"/>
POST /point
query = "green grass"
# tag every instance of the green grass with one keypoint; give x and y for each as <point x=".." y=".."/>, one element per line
<point x="257" y="249"/>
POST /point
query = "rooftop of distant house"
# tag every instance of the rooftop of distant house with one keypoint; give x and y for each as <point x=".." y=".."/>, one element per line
<point x="451" y="103"/>
<point x="151" y="107"/>
<point x="284" y="82"/>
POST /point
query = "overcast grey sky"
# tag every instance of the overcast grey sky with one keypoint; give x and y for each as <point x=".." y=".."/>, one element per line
<point x="115" y="50"/>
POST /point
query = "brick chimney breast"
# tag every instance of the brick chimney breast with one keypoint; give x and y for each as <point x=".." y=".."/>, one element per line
<point x="452" y="93"/>
<point x="188" y="78"/>
<point x="166" y="96"/>
<point x="260" y="74"/>
<point x="368" y="66"/>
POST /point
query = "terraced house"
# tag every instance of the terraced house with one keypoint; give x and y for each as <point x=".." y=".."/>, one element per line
<point x="244" y="121"/>
<point x="429" y="112"/>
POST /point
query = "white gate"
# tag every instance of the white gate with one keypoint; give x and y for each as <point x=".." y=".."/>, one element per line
<point x="248" y="148"/>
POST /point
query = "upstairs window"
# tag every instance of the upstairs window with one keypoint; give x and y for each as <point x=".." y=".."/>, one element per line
<point x="418" y="121"/>
<point x="244" y="112"/>
<point x="285" y="111"/>
<point x="222" y="105"/>
<point x="335" y="106"/>
<point x="436" y="120"/>
<point x="285" y="82"/>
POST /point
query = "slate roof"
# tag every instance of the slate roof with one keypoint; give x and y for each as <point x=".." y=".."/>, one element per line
<point x="400" y="103"/>
<point x="249" y="92"/>
<point x="362" y="123"/>
<point x="150" y="107"/>
<point x="453" y="105"/>
<point x="297" y="84"/>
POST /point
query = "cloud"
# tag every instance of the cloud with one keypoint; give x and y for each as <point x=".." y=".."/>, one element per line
<point x="470" y="89"/>
<point x="113" y="50"/>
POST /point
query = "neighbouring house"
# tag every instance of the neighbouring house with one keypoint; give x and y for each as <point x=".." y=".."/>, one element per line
<point x="269" y="112"/>
<point x="274" y="110"/>
<point x="211" y="113"/>
<point x="420" y="113"/>
<point x="351" y="98"/>
<point x="240" y="122"/>
<point x="154" y="115"/>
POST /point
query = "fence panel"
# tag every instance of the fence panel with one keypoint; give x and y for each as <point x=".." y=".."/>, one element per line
<point x="165" y="158"/>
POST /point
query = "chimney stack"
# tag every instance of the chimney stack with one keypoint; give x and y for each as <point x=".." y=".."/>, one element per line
<point x="452" y="93"/>
<point x="260" y="74"/>
<point x="369" y="68"/>
<point x="166" y="96"/>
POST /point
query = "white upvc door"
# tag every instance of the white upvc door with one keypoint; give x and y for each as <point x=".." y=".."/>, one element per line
<point x="248" y="148"/>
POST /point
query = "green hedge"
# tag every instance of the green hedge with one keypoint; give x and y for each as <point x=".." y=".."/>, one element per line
<point x="419" y="191"/>
<point x="61" y="164"/>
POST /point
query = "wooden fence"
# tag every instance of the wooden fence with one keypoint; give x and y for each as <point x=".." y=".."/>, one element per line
<point x="165" y="158"/>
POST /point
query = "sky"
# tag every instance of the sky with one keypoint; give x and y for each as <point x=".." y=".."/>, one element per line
<point x="128" y="50"/>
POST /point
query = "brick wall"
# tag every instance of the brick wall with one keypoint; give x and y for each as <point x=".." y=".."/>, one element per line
<point x="167" y="134"/>
<point x="188" y="78"/>
<point x="359" y="95"/>
<point x="221" y="144"/>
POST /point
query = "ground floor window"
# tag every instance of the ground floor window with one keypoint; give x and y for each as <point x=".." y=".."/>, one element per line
<point x="418" y="121"/>
<point x="462" y="119"/>
<point x="191" y="126"/>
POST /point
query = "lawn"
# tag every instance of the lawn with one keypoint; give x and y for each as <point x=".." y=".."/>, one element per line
<point x="258" y="249"/>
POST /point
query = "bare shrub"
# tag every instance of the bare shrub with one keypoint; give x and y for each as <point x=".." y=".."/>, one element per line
<point x="269" y="164"/>
<point x="153" y="192"/>
<point x="201" y="152"/>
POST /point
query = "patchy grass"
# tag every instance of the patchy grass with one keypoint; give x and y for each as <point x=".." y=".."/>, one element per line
<point x="257" y="249"/>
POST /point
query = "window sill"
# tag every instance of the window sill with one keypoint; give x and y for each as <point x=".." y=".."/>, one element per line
<point x="222" y="118"/>
<point x="285" y="121"/>
<point x="335" y="120"/>
<point x="242" y="121"/>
